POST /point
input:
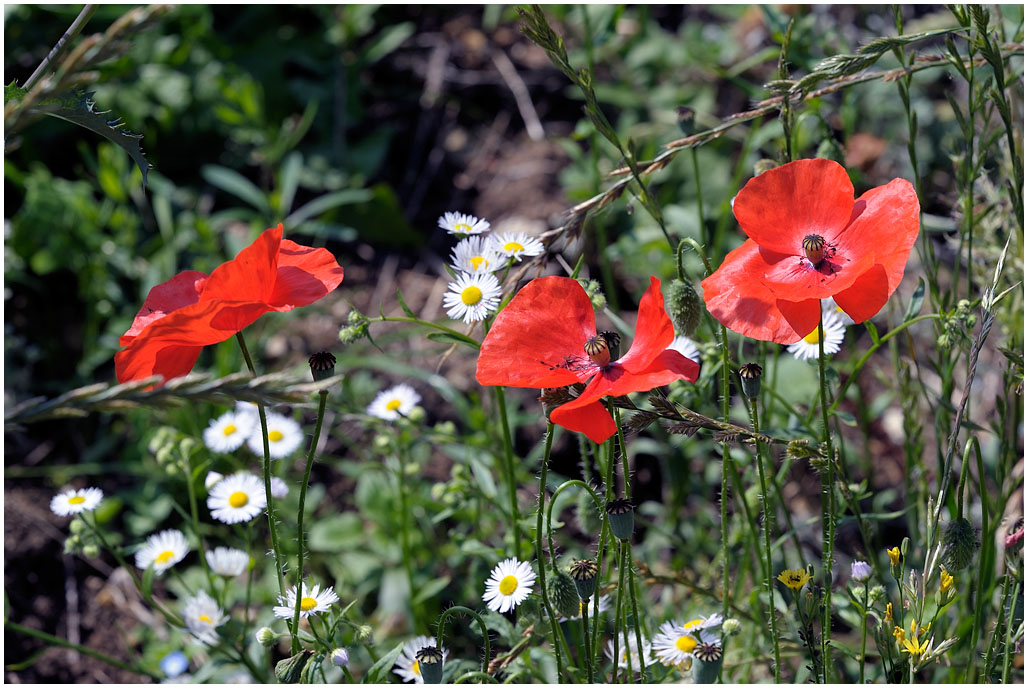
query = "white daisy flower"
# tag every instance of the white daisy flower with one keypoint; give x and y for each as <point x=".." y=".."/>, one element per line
<point x="203" y="616"/>
<point x="407" y="665"/>
<point x="686" y="347"/>
<point x="162" y="550"/>
<point x="675" y="642"/>
<point x="312" y="601"/>
<point x="280" y="488"/>
<point x="227" y="562"/>
<point x="603" y="606"/>
<point x="516" y="245"/>
<point x="623" y="657"/>
<point x="75" y="501"/>
<point x="830" y="306"/>
<point x="807" y="348"/>
<point x="509" y="584"/>
<point x="212" y="478"/>
<point x="459" y="223"/>
<point x="476" y="255"/>
<point x="228" y="432"/>
<point x="248" y="409"/>
<point x="284" y="436"/>
<point x="237" y="498"/>
<point x="391" y="404"/>
<point x="472" y="297"/>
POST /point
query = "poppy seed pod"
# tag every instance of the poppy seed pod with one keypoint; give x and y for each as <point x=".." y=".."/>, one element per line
<point x="750" y="377"/>
<point x="564" y="594"/>
<point x="323" y="365"/>
<point x="708" y="662"/>
<point x="430" y="662"/>
<point x="584" y="574"/>
<point x="621" y="517"/>
<point x="684" y="306"/>
<point x="959" y="545"/>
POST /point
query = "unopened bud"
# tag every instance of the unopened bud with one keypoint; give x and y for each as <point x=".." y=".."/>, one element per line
<point x="684" y="306"/>
<point x="564" y="594"/>
<point x="417" y="414"/>
<point x="764" y="165"/>
<point x="266" y="637"/>
<point x="77" y="526"/>
<point x="364" y="634"/>
<point x="340" y="657"/>
<point x="212" y="478"/>
<point x="289" y="670"/>
<point x="91" y="550"/>
<point x="731" y="627"/>
<point x="959" y="545"/>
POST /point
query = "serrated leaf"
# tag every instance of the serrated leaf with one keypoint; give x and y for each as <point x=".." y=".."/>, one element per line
<point x="80" y="109"/>
<point x="917" y="297"/>
<point x="452" y="338"/>
<point x="379" y="673"/>
<point x="13" y="92"/>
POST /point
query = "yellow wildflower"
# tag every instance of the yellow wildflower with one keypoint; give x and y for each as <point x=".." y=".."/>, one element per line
<point x="912" y="645"/>
<point x="889" y="613"/>
<point x="946" y="580"/>
<point x="794" y="578"/>
<point x="894" y="554"/>
<point x="898" y="634"/>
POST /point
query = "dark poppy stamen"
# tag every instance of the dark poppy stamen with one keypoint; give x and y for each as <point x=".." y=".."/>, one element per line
<point x="814" y="248"/>
<point x="597" y="350"/>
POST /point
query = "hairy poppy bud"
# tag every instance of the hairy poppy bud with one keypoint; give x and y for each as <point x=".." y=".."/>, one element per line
<point x="621" y="517"/>
<point x="430" y="662"/>
<point x="684" y="306"/>
<point x="564" y="594"/>
<point x="586" y="513"/>
<point x="959" y="545"/>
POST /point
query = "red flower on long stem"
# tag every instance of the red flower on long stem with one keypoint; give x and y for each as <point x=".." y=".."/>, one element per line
<point x="183" y="315"/>
<point x="808" y="240"/>
<point x="547" y="338"/>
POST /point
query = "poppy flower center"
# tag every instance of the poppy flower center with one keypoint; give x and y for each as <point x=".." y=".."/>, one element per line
<point x="508" y="585"/>
<point x="686" y="643"/>
<point x="814" y="248"/>
<point x="238" y="499"/>
<point x="513" y="246"/>
<point x="471" y="295"/>
<point x="597" y="350"/>
<point x="392" y="405"/>
<point x="275" y="436"/>
<point x="229" y="430"/>
<point x="308" y="603"/>
<point x="77" y="500"/>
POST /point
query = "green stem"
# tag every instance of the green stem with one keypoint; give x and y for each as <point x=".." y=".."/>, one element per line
<point x="250" y="582"/>
<point x="618" y="617"/>
<point x="323" y="395"/>
<point x="768" y="526"/>
<point x="828" y="504"/>
<point x="482" y="626"/>
<point x="58" y="641"/>
<point x="586" y="637"/>
<point x="632" y="592"/>
<point x="188" y="470"/>
<point x="555" y="629"/>
<point x="509" y="469"/>
<point x="405" y="542"/>
<point x="700" y="196"/>
<point x="864" y="633"/>
<point x="74" y="30"/>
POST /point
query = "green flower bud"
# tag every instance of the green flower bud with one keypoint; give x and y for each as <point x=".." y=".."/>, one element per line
<point x="564" y="594"/>
<point x="417" y="414"/>
<point x="731" y="627"/>
<point x="959" y="545"/>
<point x="438" y="490"/>
<point x="875" y="593"/>
<point x="381" y="443"/>
<point x="364" y="634"/>
<point x="684" y="306"/>
<point x="267" y="637"/>
<point x="91" y="550"/>
<point x="77" y="526"/>
<point x="289" y="670"/>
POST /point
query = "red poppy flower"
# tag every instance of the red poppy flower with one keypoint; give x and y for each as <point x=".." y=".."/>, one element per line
<point x="547" y="338"/>
<point x="808" y="240"/>
<point x="181" y="316"/>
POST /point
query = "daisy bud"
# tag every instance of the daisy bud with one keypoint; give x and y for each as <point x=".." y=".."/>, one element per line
<point x="430" y="662"/>
<point x="437" y="491"/>
<point x="340" y="657"/>
<point x="750" y="377"/>
<point x="323" y="365"/>
<point x="860" y="571"/>
<point x="564" y="594"/>
<point x="417" y="414"/>
<point x="171" y="469"/>
<point x="91" y="550"/>
<point x="381" y="442"/>
<point x="584" y="574"/>
<point x="620" y="516"/>
<point x="364" y="634"/>
<point x="875" y="593"/>
<point x="684" y="306"/>
<point x="731" y="627"/>
<point x="77" y="526"/>
<point x="266" y="637"/>
<point x="288" y="671"/>
<point x="959" y="545"/>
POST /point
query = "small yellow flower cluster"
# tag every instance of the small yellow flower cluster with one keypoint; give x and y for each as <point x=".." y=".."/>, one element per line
<point x="912" y="645"/>
<point x="794" y="579"/>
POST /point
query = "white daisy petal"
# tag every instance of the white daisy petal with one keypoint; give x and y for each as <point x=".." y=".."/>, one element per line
<point x="675" y="642"/>
<point x="407" y="665"/>
<point x="623" y="658"/>
<point x="476" y="255"/>
<point x="203" y="617"/>
<point x="686" y="347"/>
<point x="284" y="437"/>
<point x="509" y="584"/>
<point x="833" y="330"/>
<point x="517" y="244"/>
<point x="227" y="562"/>
<point x="237" y="498"/>
<point x="461" y="224"/>
<point x="391" y="404"/>
<point x="280" y="488"/>
<point x="228" y="432"/>
<point x="830" y="306"/>
<point x="472" y="297"/>
<point x="312" y="601"/>
<point x="162" y="550"/>
<point x="76" y="501"/>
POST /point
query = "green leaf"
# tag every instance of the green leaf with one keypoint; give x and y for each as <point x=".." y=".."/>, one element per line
<point x="403" y="304"/>
<point x="236" y="184"/>
<point x="379" y="673"/>
<point x="873" y="331"/>
<point x="148" y="582"/>
<point x="325" y="203"/>
<point x="80" y="109"/>
<point x="427" y="591"/>
<point x="13" y="92"/>
<point x="917" y="297"/>
<point x="846" y="417"/>
<point x="453" y="337"/>
<point x="335" y="533"/>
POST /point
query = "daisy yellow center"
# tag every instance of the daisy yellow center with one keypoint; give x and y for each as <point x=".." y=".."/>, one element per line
<point x="508" y="585"/>
<point x="478" y="261"/>
<point x="275" y="436"/>
<point x="463" y="227"/>
<point x="686" y="643"/>
<point x="308" y="603"/>
<point x="513" y="246"/>
<point x="204" y="618"/>
<point x="392" y="405"/>
<point x="415" y="669"/>
<point x="77" y="500"/>
<point x="812" y="337"/>
<point x="693" y="623"/>
<point x="164" y="557"/>
<point x="471" y="295"/>
<point x="239" y="499"/>
<point x="229" y="430"/>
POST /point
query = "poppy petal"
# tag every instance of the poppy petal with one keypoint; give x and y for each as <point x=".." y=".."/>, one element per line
<point x="586" y="414"/>
<point x="305" y="275"/>
<point x="251" y="275"/>
<point x="182" y="290"/>
<point x="778" y="208"/>
<point x="536" y="340"/>
<point x="866" y="296"/>
<point x="737" y="297"/>
<point x="654" y="330"/>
